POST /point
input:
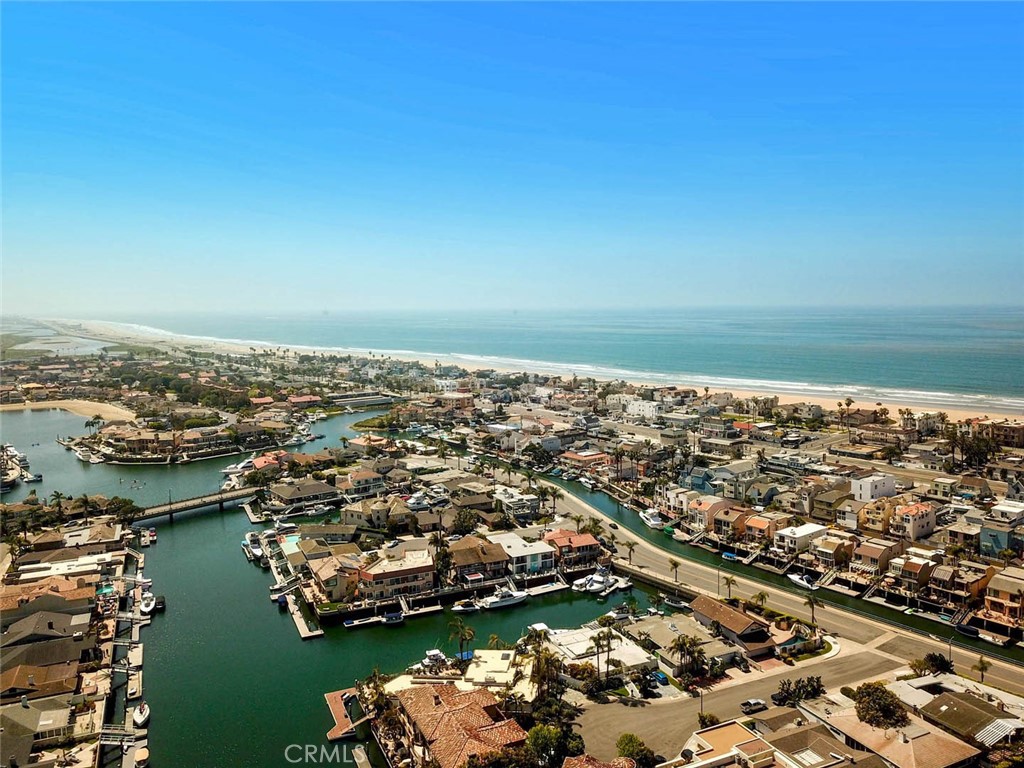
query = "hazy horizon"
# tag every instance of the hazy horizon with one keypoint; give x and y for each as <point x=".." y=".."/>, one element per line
<point x="506" y="157"/>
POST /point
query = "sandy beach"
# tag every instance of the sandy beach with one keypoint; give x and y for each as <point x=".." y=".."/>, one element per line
<point x="117" y="333"/>
<point x="85" y="408"/>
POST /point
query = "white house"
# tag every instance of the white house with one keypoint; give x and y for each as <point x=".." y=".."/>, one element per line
<point x="516" y="503"/>
<point x="525" y="557"/>
<point x="873" y="487"/>
<point x="798" y="538"/>
<point x="644" y="409"/>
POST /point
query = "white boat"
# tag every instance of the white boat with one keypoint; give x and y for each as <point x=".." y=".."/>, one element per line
<point x="148" y="603"/>
<point x="83" y="454"/>
<point x="587" y="483"/>
<point x="801" y="581"/>
<point x="652" y="519"/>
<point x="674" y="601"/>
<point x="255" y="545"/>
<point x="141" y="715"/>
<point x="598" y="583"/>
<point x="96" y="458"/>
<point x="465" y="606"/>
<point x="503" y="598"/>
<point x="242" y="466"/>
<point x="580" y="585"/>
<point x="285" y="527"/>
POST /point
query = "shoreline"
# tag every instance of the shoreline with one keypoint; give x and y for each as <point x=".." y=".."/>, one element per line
<point x="863" y="396"/>
<point x="85" y="408"/>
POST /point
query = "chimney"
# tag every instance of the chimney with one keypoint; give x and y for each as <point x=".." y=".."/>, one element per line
<point x="903" y="737"/>
<point x="437" y="700"/>
<point x="32" y="681"/>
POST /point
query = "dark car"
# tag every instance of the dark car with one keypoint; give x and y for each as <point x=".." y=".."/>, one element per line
<point x="779" y="699"/>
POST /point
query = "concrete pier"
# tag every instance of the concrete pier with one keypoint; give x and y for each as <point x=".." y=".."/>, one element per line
<point x="300" y="622"/>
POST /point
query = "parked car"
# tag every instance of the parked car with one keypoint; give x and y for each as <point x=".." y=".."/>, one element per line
<point x="659" y="677"/>
<point x="779" y="699"/>
<point x="750" y="706"/>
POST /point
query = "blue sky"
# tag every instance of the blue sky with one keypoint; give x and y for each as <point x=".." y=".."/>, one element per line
<point x="510" y="155"/>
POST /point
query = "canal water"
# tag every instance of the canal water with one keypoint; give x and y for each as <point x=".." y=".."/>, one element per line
<point x="228" y="679"/>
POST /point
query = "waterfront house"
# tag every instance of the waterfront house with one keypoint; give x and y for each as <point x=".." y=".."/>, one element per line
<point x="964" y="534"/>
<point x="1004" y="597"/>
<point x="397" y="572"/>
<point x="27" y="682"/>
<point x="751" y="633"/>
<point x="873" y="555"/>
<point x="577" y="646"/>
<point x="44" y="626"/>
<point x="522" y="506"/>
<point x="730" y="524"/>
<point x="834" y="550"/>
<point x="306" y="491"/>
<point x="361" y="484"/>
<point x="909" y="574"/>
<point x="701" y="513"/>
<point x="760" y="529"/>
<point x="475" y="560"/>
<point x="448" y="726"/>
<point x="36" y="725"/>
<point x="336" y="576"/>
<point x="525" y="557"/>
<point x="960" y="585"/>
<point x="58" y="594"/>
<point x="795" y="539"/>
<point x="573" y="550"/>
<point x="659" y="632"/>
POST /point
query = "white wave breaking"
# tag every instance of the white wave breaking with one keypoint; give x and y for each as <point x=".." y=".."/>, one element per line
<point x="861" y="393"/>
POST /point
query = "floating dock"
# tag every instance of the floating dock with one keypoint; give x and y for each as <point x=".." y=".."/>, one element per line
<point x="300" y="621"/>
<point x="343" y="725"/>
<point x="545" y="589"/>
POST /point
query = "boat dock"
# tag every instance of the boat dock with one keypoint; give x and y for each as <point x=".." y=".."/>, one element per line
<point x="343" y="725"/>
<point x="546" y="589"/>
<point x="300" y="621"/>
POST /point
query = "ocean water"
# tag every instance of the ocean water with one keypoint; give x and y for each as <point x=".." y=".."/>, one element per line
<point x="946" y="357"/>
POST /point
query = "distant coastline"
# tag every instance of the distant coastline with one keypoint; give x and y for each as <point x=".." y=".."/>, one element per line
<point x="956" y="405"/>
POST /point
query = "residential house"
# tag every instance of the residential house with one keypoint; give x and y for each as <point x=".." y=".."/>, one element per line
<point x="447" y="726"/>
<point x="361" y="484"/>
<point x="795" y="539"/>
<point x="873" y="555"/>
<point x="834" y="550"/>
<point x="336" y="577"/>
<point x="959" y="585"/>
<point x="397" y="573"/>
<point x="944" y="488"/>
<point x="910" y="574"/>
<point x="307" y="491"/>
<point x="525" y="558"/>
<point x="522" y="506"/>
<point x="973" y="719"/>
<point x="825" y="504"/>
<point x="1004" y="596"/>
<point x="915" y="744"/>
<point x="873" y="486"/>
<point x="574" y="550"/>
<point x="475" y="560"/>
<point x="749" y="632"/>
<point x="702" y="511"/>
<point x="914" y="521"/>
<point x="730" y="524"/>
<point x="848" y="514"/>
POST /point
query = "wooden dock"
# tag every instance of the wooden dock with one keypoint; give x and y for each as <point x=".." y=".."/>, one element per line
<point x="343" y="725"/>
<point x="300" y="621"/>
<point x="545" y="589"/>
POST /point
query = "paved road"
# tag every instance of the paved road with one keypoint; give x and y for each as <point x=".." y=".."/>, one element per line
<point x="666" y="724"/>
<point x="847" y="625"/>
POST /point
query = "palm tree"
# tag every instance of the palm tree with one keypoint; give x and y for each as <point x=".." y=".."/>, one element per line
<point x="983" y="666"/>
<point x="760" y="598"/>
<point x="460" y="630"/>
<point x="730" y="582"/>
<point x="630" y="546"/>
<point x="812" y="602"/>
<point x="578" y="519"/>
<point x="555" y="494"/>
<point x="848" y="402"/>
<point x="674" y="565"/>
